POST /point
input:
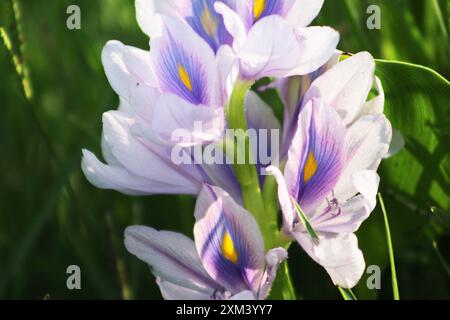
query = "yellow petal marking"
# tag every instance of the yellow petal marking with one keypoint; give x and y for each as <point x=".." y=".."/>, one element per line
<point x="209" y="22"/>
<point x="258" y="8"/>
<point x="310" y="168"/>
<point x="228" y="249"/>
<point x="184" y="77"/>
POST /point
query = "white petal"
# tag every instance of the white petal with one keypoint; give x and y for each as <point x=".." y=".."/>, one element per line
<point x="317" y="46"/>
<point x="148" y="13"/>
<point x="367" y="143"/>
<point x="354" y="211"/>
<point x="303" y="12"/>
<point x="271" y="49"/>
<point x="346" y="86"/>
<point x="127" y="68"/>
<point x="338" y="254"/>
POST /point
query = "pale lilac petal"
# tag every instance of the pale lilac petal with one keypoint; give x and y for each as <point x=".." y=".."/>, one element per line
<point x="171" y="256"/>
<point x="171" y="291"/>
<point x="273" y="260"/>
<point x="148" y="13"/>
<point x="271" y="49"/>
<point x="142" y="158"/>
<point x="353" y="212"/>
<point x="303" y="12"/>
<point x="113" y="177"/>
<point x="317" y="155"/>
<point x="317" y="46"/>
<point x="338" y="254"/>
<point x="228" y="241"/>
<point x="185" y="64"/>
<point x="346" y="86"/>
<point x="174" y="117"/>
<point x="367" y="143"/>
<point x="128" y="70"/>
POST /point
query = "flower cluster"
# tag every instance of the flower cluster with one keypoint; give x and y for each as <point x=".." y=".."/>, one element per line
<point x="205" y="56"/>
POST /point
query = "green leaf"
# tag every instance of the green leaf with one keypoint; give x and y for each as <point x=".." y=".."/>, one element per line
<point x="417" y="104"/>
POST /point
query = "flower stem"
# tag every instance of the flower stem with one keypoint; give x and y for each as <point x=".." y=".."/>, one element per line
<point x="282" y="288"/>
<point x="246" y="172"/>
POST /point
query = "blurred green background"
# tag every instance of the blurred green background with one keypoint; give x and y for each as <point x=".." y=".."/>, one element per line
<point x="51" y="217"/>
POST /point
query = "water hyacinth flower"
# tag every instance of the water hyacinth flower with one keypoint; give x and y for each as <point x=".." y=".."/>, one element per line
<point x="226" y="261"/>
<point x="331" y="174"/>
<point x="265" y="37"/>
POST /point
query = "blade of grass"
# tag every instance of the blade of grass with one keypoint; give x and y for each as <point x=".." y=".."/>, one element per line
<point x="118" y="264"/>
<point x="391" y="250"/>
<point x="439" y="16"/>
<point x="441" y="258"/>
<point x="347" y="294"/>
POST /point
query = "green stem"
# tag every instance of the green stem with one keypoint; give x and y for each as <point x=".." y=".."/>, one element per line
<point x="391" y="250"/>
<point x="347" y="294"/>
<point x="262" y="206"/>
<point x="282" y="288"/>
<point x="246" y="172"/>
